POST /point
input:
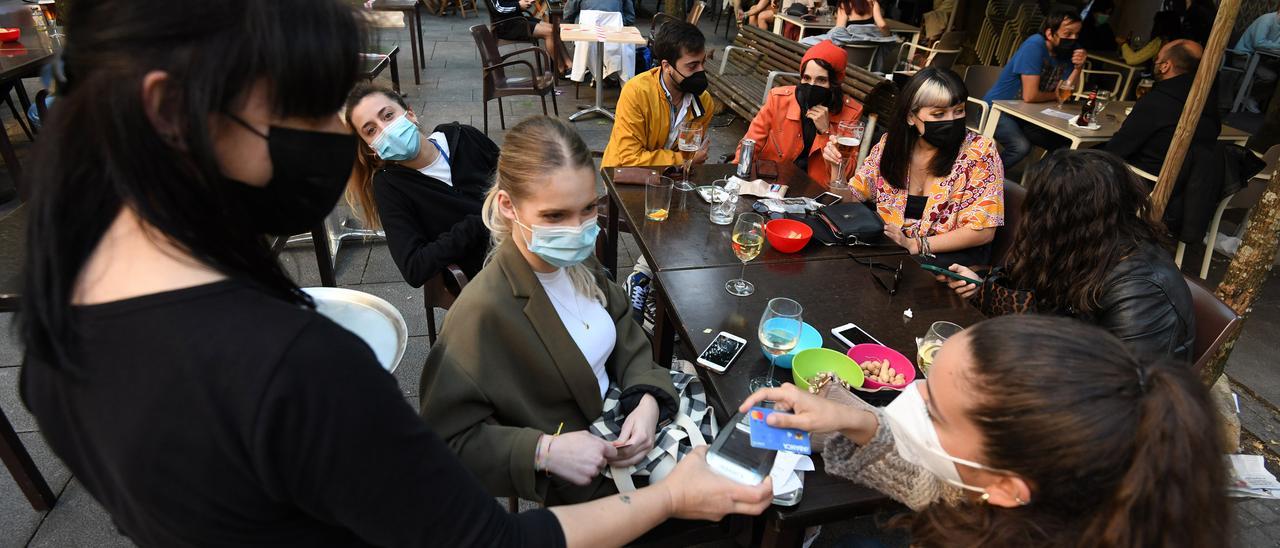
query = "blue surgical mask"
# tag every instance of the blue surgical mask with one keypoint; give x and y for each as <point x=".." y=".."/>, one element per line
<point x="563" y="246"/>
<point x="399" y="141"/>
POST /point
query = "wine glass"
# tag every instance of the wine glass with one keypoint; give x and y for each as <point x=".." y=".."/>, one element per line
<point x="938" y="333"/>
<point x="689" y="140"/>
<point x="1144" y="85"/>
<point x="848" y="137"/>
<point x="748" y="241"/>
<point x="1100" y="103"/>
<point x="780" y="328"/>
<point x="1065" y="89"/>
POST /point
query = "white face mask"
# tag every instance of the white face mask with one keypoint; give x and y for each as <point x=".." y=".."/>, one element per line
<point x="917" y="440"/>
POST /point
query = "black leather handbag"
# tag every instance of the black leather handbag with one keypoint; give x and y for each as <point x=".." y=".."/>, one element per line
<point x="852" y="223"/>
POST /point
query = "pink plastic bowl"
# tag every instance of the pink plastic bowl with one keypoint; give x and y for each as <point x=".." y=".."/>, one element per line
<point x="899" y="363"/>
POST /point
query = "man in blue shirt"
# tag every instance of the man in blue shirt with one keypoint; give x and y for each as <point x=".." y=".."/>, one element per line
<point x="1263" y="33"/>
<point x="1032" y="75"/>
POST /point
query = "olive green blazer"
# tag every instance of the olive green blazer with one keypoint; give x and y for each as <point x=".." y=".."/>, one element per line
<point x="504" y="371"/>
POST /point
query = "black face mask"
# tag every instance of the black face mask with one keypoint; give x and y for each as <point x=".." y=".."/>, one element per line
<point x="945" y="134"/>
<point x="695" y="83"/>
<point x="309" y="171"/>
<point x="1064" y="49"/>
<point x="809" y="96"/>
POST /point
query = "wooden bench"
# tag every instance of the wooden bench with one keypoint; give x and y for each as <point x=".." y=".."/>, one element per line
<point x="758" y="60"/>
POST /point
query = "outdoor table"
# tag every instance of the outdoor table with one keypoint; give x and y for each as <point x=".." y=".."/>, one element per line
<point x="599" y="35"/>
<point x="1249" y="73"/>
<point x="372" y="64"/>
<point x="828" y="21"/>
<point x="688" y="239"/>
<point x="1112" y="118"/>
<point x="411" y="20"/>
<point x="1129" y="71"/>
<point x="833" y="293"/>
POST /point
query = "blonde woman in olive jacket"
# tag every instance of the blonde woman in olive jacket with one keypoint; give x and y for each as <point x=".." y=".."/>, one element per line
<point x="533" y="342"/>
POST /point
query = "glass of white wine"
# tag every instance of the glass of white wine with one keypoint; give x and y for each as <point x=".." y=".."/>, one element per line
<point x="780" y="328"/>
<point x="689" y="141"/>
<point x="748" y="241"/>
<point x="938" y="333"/>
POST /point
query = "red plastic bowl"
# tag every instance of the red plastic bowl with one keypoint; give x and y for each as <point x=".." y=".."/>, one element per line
<point x="786" y="235"/>
<point x="899" y="363"/>
<point x="10" y="34"/>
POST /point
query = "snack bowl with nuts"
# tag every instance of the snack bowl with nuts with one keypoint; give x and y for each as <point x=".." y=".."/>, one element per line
<point x="882" y="367"/>
<point x="812" y="363"/>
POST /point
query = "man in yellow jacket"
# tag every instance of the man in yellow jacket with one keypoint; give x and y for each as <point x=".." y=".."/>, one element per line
<point x="654" y="105"/>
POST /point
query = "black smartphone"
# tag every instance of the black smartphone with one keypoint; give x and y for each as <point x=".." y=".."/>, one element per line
<point x="939" y="270"/>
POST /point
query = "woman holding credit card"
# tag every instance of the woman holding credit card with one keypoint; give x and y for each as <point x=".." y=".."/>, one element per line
<point x="1088" y="248"/>
<point x="1033" y="431"/>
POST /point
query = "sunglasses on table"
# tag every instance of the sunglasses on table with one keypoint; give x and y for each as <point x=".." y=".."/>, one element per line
<point x="873" y="266"/>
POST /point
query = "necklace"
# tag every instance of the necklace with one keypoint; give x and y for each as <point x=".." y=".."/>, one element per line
<point x="577" y="306"/>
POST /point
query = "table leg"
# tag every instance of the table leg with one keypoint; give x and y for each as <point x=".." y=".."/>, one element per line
<point x="777" y="535"/>
<point x="413" y="48"/>
<point x="611" y="240"/>
<point x="1245" y="82"/>
<point x="417" y="23"/>
<point x="24" y="471"/>
<point x="598" y="69"/>
<point x="664" y="333"/>
<point x="777" y="26"/>
<point x="395" y="71"/>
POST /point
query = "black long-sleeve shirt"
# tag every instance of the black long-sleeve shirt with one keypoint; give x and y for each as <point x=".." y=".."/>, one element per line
<point x="430" y="224"/>
<point x="219" y="416"/>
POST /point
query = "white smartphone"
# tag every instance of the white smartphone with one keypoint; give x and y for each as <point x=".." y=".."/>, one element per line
<point x="732" y="456"/>
<point x="721" y="352"/>
<point x="828" y="198"/>
<point x="851" y="335"/>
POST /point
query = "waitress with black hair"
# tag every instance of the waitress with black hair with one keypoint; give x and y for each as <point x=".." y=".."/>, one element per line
<point x="171" y="363"/>
<point x="796" y="122"/>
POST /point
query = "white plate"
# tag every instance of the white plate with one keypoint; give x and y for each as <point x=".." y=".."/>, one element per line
<point x="371" y="318"/>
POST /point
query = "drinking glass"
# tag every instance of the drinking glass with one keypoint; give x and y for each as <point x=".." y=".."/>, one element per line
<point x="1144" y="85"/>
<point x="780" y="328"/>
<point x="1065" y="89"/>
<point x="938" y="333"/>
<point x="1100" y="103"/>
<point x="748" y="241"/>
<point x="848" y="136"/>
<point x="723" y="202"/>
<point x="657" y="198"/>
<point x="689" y="140"/>
<point x="51" y="11"/>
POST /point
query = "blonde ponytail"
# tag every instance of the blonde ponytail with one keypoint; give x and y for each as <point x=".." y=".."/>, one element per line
<point x="533" y="148"/>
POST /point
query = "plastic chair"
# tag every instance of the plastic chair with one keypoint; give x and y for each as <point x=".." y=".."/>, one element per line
<point x="861" y="55"/>
<point x="941" y="55"/>
<point x="1085" y="74"/>
<point x="1215" y="323"/>
<point x="978" y="79"/>
<point x="440" y="292"/>
<point x="1245" y="198"/>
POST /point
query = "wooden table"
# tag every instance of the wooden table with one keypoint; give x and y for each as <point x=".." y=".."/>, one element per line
<point x="1129" y="71"/>
<point x="413" y="21"/>
<point x="23" y="59"/>
<point x="599" y="35"/>
<point x="833" y="293"/>
<point x="1112" y="118"/>
<point x="828" y="21"/>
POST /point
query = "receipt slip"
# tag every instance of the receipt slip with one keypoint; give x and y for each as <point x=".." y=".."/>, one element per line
<point x="764" y="436"/>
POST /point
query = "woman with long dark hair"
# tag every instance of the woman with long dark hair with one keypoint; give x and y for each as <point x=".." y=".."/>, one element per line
<point x="423" y="188"/>
<point x="1033" y="431"/>
<point x="1089" y="247"/>
<point x="171" y="363"/>
<point x="860" y="12"/>
<point x="796" y="122"/>
<point x="938" y="186"/>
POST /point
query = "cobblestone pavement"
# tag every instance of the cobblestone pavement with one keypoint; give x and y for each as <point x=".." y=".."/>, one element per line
<point x="449" y="92"/>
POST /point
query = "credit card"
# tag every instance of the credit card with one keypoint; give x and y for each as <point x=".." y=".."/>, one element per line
<point x="764" y="436"/>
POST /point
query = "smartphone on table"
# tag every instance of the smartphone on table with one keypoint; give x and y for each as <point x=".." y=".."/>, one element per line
<point x="721" y="352"/>
<point x="732" y="456"/>
<point x="852" y="335"/>
<point x="828" y="198"/>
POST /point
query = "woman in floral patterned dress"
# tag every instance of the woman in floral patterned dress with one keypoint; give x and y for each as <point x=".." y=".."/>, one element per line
<point x="938" y="186"/>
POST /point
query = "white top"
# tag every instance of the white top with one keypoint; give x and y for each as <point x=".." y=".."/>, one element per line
<point x="439" y="169"/>
<point x="586" y="320"/>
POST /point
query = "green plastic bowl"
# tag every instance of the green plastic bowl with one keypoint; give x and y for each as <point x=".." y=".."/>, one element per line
<point x="809" y="363"/>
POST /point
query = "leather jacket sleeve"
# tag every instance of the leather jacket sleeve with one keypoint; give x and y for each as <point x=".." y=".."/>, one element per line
<point x="1141" y="313"/>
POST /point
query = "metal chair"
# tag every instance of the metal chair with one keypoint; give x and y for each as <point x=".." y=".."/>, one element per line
<point x="861" y="55"/>
<point x="1082" y="86"/>
<point x="1215" y="323"/>
<point x="541" y="81"/>
<point x="942" y="55"/>
<point x="440" y="292"/>
<point x="978" y="79"/>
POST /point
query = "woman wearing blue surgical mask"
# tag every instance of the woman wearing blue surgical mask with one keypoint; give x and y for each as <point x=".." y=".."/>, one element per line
<point x="531" y="346"/>
<point x="1034" y="431"/>
<point x="424" y="189"/>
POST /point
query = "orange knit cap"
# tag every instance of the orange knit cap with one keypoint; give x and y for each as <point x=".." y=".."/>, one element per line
<point x="827" y="51"/>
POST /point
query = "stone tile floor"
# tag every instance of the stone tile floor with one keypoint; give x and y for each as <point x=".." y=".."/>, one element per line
<point x="450" y="92"/>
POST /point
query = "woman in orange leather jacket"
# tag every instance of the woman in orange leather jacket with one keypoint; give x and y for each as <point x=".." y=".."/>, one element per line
<point x="796" y="121"/>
